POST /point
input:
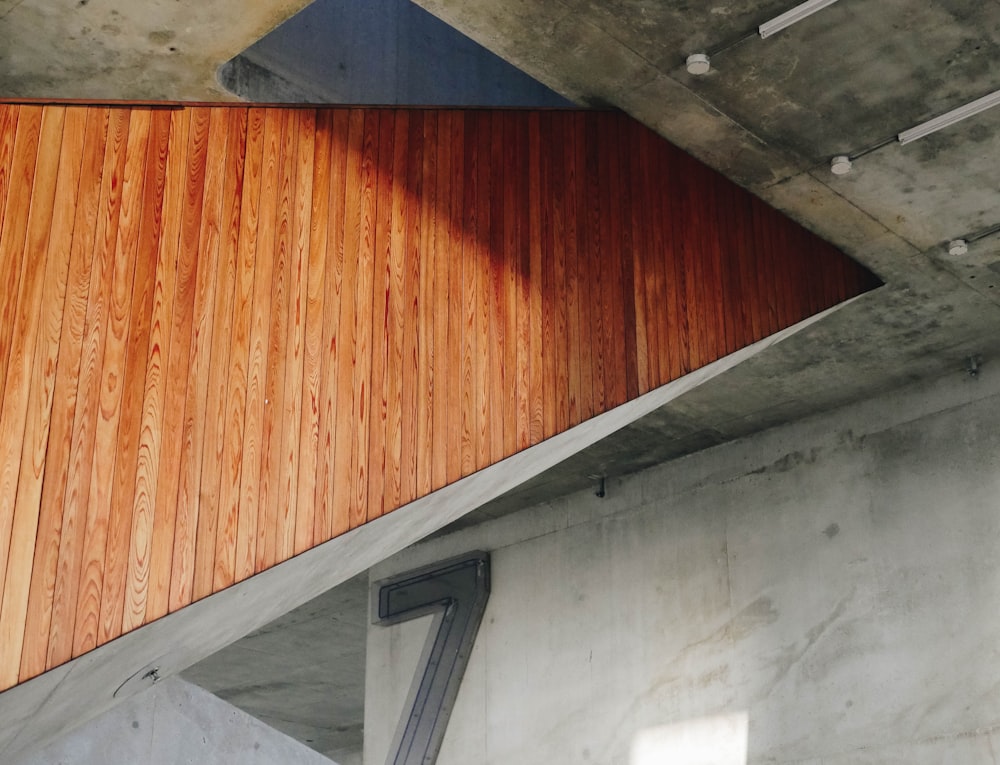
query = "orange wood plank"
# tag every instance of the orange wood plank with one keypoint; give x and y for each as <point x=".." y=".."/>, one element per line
<point x="547" y="223"/>
<point x="481" y="264"/>
<point x="379" y="326"/>
<point x="427" y="349"/>
<point x="524" y="332"/>
<point x="277" y="519"/>
<point x="635" y="243"/>
<point x="154" y="398"/>
<point x="496" y="383"/>
<point x="596" y="306"/>
<point x="536" y="373"/>
<point x="230" y="296"/>
<point x="55" y="526"/>
<point x="18" y="418"/>
<point x="251" y="512"/>
<point x="12" y="263"/>
<point x="188" y="311"/>
<point x="455" y="438"/>
<point x="398" y="267"/>
<point x="440" y="213"/>
<point x="88" y="630"/>
<point x="17" y="168"/>
<point x="45" y="331"/>
<point x="623" y="198"/>
<point x="210" y="133"/>
<point x="133" y="383"/>
<point x="331" y="509"/>
<point x="558" y="296"/>
<point x="310" y="488"/>
<point x="348" y="429"/>
<point x="248" y="327"/>
<point x="469" y="259"/>
<point x="511" y="260"/>
<point x="77" y="590"/>
<point x="382" y="279"/>
<point x="413" y="376"/>
<point x="300" y="531"/>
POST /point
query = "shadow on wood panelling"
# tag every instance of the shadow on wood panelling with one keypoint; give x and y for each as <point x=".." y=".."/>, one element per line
<point x="229" y="334"/>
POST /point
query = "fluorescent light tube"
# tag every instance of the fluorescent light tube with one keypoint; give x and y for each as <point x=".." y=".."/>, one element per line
<point x="793" y="16"/>
<point x="950" y="118"/>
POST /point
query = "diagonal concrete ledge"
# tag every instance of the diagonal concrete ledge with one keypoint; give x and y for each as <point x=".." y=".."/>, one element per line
<point x="53" y="703"/>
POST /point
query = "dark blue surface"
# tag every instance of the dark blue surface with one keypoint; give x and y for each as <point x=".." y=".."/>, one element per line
<point x="379" y="52"/>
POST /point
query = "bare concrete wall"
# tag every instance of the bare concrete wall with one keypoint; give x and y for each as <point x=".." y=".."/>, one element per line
<point x="174" y="723"/>
<point x="833" y="582"/>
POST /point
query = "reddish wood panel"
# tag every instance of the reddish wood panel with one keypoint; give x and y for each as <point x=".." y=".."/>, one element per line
<point x="229" y="334"/>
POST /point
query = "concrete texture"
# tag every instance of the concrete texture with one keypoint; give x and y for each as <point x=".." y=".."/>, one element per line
<point x="830" y="579"/>
<point x="303" y="674"/>
<point x="377" y="52"/>
<point x="174" y="723"/>
<point x="46" y="706"/>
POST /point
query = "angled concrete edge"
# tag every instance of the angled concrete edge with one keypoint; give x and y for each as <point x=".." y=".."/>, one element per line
<point x="35" y="711"/>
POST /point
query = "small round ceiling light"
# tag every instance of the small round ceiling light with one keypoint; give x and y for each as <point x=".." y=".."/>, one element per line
<point x="958" y="247"/>
<point x="698" y="64"/>
<point x="840" y="165"/>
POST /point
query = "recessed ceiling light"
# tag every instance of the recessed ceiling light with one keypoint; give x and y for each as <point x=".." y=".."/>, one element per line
<point x="698" y="63"/>
<point x="840" y="165"/>
<point x="793" y="16"/>
<point x="958" y="247"/>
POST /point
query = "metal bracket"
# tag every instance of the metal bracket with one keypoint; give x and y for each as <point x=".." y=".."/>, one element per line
<point x="455" y="591"/>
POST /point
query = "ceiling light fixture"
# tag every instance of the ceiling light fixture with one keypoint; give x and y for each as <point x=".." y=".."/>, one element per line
<point x="950" y="118"/>
<point x="793" y="16"/>
<point x="698" y="63"/>
<point x="840" y="165"/>
<point x="958" y="247"/>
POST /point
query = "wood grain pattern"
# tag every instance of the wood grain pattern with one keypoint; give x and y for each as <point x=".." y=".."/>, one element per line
<point x="229" y="334"/>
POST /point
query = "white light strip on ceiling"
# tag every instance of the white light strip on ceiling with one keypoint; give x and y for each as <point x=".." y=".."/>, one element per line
<point x="950" y="118"/>
<point x="793" y="16"/>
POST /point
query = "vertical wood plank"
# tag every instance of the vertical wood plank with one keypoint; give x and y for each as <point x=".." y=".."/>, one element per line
<point x="511" y="260"/>
<point x="441" y="247"/>
<point x="536" y="379"/>
<point x="396" y="309"/>
<point x="482" y="263"/>
<point x="452" y="141"/>
<point x="148" y="459"/>
<point x="277" y="516"/>
<point x="415" y="335"/>
<point x="256" y="511"/>
<point x="113" y="365"/>
<point x="58" y="529"/>
<point x="376" y="335"/>
<point x="238" y="198"/>
<point x="347" y="434"/>
<point x="251" y="276"/>
<point x="187" y="312"/>
<point x="337" y="341"/>
<point x="133" y="384"/>
<point x="467" y="257"/>
<point x="300" y="530"/>
<point x="43" y="333"/>
<point x="524" y="331"/>
<point x="23" y="316"/>
<point x="497" y="343"/>
<point x="547" y="223"/>
<point x="309" y="486"/>
<point x="84" y="524"/>
<point x="17" y="167"/>
<point x="423" y="247"/>
<point x="210" y="136"/>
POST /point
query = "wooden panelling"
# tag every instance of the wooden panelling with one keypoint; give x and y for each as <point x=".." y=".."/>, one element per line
<point x="229" y="334"/>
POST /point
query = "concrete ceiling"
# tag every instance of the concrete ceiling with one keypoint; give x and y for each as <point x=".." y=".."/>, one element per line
<point x="769" y="115"/>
